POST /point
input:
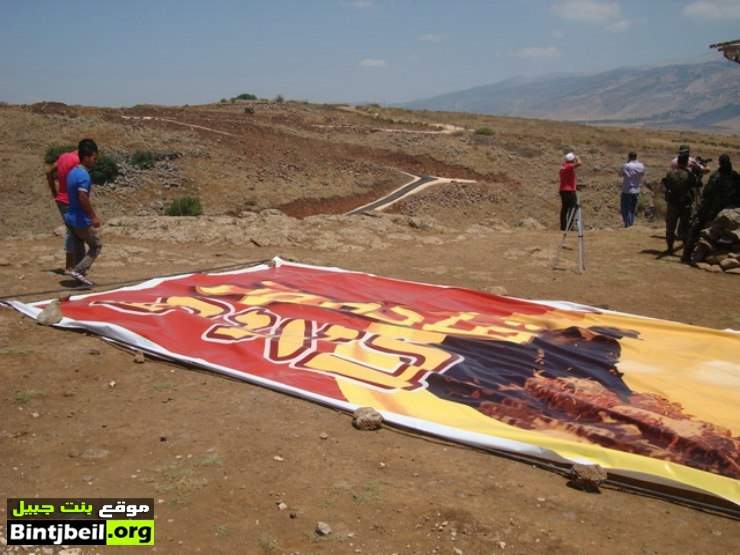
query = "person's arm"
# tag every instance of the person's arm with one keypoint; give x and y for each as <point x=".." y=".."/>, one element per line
<point x="86" y="205"/>
<point x="51" y="175"/>
<point x="576" y="162"/>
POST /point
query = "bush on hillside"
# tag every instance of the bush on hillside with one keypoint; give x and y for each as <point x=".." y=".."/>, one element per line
<point x="484" y="130"/>
<point x="185" y="206"/>
<point x="104" y="171"/>
<point x="143" y="159"/>
<point x="246" y="96"/>
<point x="54" y="151"/>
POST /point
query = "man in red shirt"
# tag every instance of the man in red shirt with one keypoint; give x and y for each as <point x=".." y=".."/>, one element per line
<point x="58" y="173"/>
<point x="568" y="194"/>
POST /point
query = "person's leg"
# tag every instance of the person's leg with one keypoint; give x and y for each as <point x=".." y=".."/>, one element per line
<point x="671" y="216"/>
<point x="624" y="208"/>
<point x="684" y="216"/>
<point x="69" y="245"/>
<point x="90" y="237"/>
<point x="77" y="250"/>
<point x="692" y="238"/>
<point x="572" y="206"/>
<point x="563" y="211"/>
<point x="567" y="211"/>
<point x="633" y="198"/>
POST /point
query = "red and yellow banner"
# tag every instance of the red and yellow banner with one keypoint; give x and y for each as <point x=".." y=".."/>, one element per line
<point x="651" y="400"/>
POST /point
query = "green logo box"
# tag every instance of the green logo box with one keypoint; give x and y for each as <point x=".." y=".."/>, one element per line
<point x="129" y="532"/>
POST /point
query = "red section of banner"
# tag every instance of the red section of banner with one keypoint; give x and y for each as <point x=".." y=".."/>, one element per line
<point x="182" y="329"/>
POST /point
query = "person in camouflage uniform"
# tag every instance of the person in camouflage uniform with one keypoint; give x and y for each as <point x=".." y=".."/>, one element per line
<point x="681" y="187"/>
<point x="722" y="191"/>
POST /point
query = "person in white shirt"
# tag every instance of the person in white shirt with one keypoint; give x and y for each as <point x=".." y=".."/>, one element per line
<point x="632" y="173"/>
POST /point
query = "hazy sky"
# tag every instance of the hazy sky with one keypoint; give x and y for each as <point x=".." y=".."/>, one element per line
<point x="115" y="52"/>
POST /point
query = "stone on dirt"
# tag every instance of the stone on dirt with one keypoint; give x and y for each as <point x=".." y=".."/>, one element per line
<point x="530" y="223"/>
<point x="52" y="314"/>
<point x="139" y="357"/>
<point x="367" y="418"/>
<point x="95" y="453"/>
<point x="587" y="477"/>
<point x="323" y="529"/>
<point x="495" y="290"/>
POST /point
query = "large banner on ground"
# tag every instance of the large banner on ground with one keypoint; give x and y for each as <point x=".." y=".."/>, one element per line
<point x="650" y="400"/>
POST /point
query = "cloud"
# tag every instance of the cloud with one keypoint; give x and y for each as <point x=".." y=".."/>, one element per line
<point x="621" y="25"/>
<point x="558" y="34"/>
<point x="372" y="62"/>
<point x="588" y="11"/>
<point x="539" y="53"/>
<point x="432" y="37"/>
<point x="713" y="9"/>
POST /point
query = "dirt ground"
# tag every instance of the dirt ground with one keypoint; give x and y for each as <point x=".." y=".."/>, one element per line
<point x="204" y="446"/>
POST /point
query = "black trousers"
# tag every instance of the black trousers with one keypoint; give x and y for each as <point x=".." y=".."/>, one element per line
<point x="677" y="215"/>
<point x="569" y="201"/>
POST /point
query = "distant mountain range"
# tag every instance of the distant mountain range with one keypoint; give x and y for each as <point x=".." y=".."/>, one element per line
<point x="704" y="95"/>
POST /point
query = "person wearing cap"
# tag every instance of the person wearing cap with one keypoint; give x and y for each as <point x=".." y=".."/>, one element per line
<point x="693" y="165"/>
<point x="680" y="189"/>
<point x="632" y="173"/>
<point x="722" y="191"/>
<point x="568" y="196"/>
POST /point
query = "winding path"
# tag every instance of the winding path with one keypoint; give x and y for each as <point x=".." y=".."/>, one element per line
<point x="418" y="183"/>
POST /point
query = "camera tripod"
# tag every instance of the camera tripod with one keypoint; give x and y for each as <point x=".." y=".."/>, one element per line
<point x="575" y="216"/>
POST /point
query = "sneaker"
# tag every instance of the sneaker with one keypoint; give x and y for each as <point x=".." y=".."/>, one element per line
<point x="81" y="278"/>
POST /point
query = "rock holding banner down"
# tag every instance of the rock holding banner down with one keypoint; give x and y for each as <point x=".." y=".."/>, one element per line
<point x="367" y="419"/>
<point x="52" y="314"/>
<point x="587" y="477"/>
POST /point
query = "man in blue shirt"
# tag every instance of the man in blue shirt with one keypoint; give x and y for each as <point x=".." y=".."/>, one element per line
<point x="80" y="216"/>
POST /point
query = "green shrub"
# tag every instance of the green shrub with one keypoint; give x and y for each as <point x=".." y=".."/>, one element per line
<point x="104" y="171"/>
<point x="185" y="206"/>
<point x="246" y="96"/>
<point x="143" y="159"/>
<point x="279" y="98"/>
<point x="484" y="130"/>
<point x="54" y="151"/>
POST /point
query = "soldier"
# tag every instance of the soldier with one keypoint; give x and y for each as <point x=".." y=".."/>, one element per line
<point x="681" y="186"/>
<point x="722" y="191"/>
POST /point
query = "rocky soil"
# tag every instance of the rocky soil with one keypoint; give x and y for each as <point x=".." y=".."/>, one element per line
<point x="235" y="468"/>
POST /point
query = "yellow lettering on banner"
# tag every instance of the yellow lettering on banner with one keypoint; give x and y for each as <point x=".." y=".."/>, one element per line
<point x="254" y="319"/>
<point x="425" y="357"/>
<point x="339" y="334"/>
<point x="195" y="305"/>
<point x="294" y="338"/>
<point x="382" y="361"/>
<point x="354" y="308"/>
<point x="256" y="322"/>
<point x="273" y="293"/>
<point x="408" y="317"/>
<point x="199" y="306"/>
<point x="466" y="323"/>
